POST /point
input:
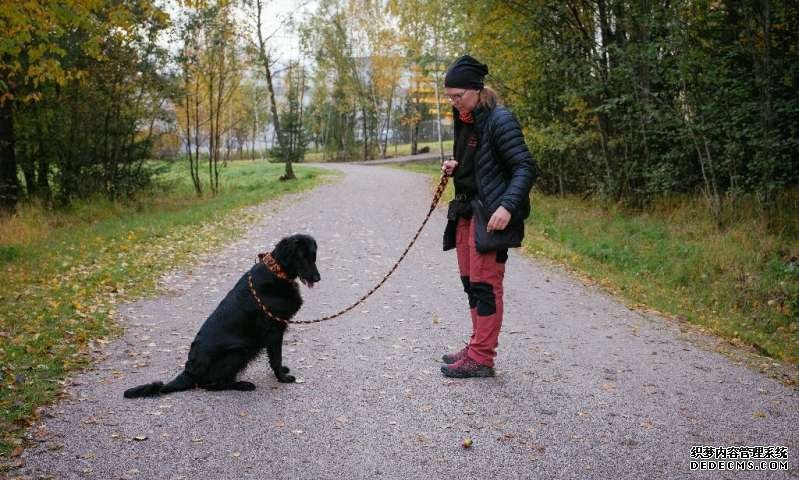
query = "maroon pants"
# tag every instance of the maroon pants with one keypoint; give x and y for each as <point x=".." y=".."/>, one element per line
<point x="482" y="275"/>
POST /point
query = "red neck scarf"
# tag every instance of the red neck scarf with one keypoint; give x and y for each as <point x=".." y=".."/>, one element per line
<point x="466" y="117"/>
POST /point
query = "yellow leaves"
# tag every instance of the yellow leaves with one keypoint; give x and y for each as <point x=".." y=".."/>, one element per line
<point x="5" y="97"/>
<point x="197" y="4"/>
<point x="34" y="33"/>
<point x="578" y="107"/>
<point x="609" y="387"/>
<point x="40" y="50"/>
<point x="48" y="69"/>
<point x="28" y="30"/>
<point x="13" y="18"/>
<point x="120" y="17"/>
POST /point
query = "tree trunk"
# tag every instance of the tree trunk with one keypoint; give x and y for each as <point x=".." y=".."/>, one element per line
<point x="643" y="37"/>
<point x="365" y="127"/>
<point x="9" y="184"/>
<point x="198" y="182"/>
<point x="438" y="98"/>
<point x="414" y="138"/>
<point x="768" y="191"/>
<point x="301" y="137"/>
<point x="384" y="147"/>
<point x="28" y="167"/>
<point x="289" y="174"/>
<point x="438" y="121"/>
<point x="193" y="161"/>
<point x="43" y="161"/>
<point x="606" y="39"/>
<point x="211" y="133"/>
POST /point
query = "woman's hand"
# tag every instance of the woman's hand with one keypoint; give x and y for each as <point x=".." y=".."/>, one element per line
<point x="449" y="166"/>
<point x="499" y="220"/>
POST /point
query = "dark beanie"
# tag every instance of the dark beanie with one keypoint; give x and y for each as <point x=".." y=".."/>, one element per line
<point x="466" y="72"/>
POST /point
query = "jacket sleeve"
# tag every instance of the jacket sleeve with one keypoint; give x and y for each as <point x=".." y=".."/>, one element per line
<point x="516" y="159"/>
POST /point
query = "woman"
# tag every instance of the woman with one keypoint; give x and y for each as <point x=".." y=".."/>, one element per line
<point x="492" y="169"/>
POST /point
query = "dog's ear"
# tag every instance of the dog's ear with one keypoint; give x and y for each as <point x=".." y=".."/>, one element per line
<point x="284" y="253"/>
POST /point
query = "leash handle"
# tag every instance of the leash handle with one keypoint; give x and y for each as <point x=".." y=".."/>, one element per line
<point x="442" y="185"/>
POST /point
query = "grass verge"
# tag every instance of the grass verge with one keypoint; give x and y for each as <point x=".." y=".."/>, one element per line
<point x="741" y="283"/>
<point x="64" y="272"/>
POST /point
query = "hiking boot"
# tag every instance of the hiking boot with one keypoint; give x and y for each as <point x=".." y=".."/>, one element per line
<point x="465" y="368"/>
<point x="450" y="358"/>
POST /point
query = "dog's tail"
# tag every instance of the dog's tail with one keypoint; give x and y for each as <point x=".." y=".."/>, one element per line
<point x="181" y="382"/>
<point x="146" y="390"/>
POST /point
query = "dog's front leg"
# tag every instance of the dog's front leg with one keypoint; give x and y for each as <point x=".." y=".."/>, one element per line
<point x="274" y="348"/>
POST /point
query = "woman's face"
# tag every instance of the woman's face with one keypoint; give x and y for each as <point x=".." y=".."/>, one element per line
<point x="462" y="99"/>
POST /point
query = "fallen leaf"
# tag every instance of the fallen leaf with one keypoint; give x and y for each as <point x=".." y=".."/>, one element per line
<point x="140" y="438"/>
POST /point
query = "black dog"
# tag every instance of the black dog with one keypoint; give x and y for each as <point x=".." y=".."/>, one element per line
<point x="238" y="330"/>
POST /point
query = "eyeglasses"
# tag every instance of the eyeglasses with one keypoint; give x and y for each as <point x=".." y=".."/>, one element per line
<point x="457" y="96"/>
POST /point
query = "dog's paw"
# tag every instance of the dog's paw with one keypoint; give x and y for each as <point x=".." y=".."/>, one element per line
<point x="286" y="379"/>
<point x="244" y="386"/>
<point x="284" y="370"/>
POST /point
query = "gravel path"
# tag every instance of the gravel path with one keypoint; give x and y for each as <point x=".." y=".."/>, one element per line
<point x="585" y="388"/>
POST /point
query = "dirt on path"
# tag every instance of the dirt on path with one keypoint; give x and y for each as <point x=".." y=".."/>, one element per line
<point x="586" y="388"/>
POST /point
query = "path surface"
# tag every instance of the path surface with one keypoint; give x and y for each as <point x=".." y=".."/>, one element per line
<point x="585" y="388"/>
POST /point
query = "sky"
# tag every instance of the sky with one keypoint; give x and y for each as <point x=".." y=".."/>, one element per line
<point x="284" y="42"/>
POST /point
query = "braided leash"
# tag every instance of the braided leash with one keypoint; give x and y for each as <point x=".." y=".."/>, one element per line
<point x="442" y="184"/>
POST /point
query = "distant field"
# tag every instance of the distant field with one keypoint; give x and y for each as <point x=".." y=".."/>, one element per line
<point x="392" y="151"/>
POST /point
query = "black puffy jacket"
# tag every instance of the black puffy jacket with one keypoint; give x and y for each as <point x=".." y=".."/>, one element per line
<point x="504" y="168"/>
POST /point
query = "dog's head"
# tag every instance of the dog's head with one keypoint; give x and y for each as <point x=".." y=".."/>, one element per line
<point x="297" y="256"/>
